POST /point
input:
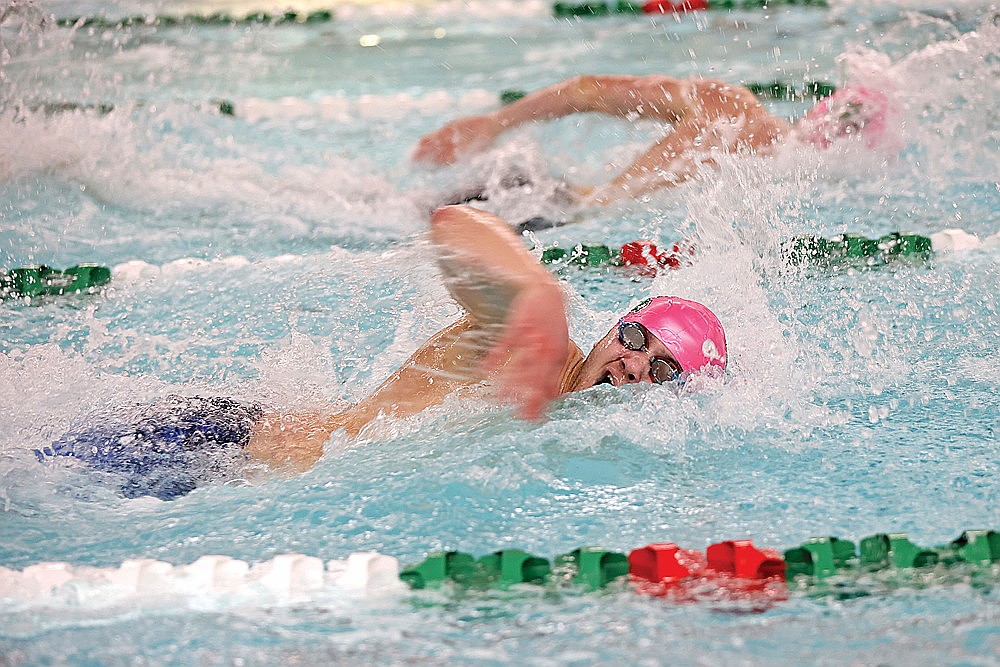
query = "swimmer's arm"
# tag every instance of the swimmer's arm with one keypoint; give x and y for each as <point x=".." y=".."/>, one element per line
<point x="669" y="162"/>
<point x="290" y="442"/>
<point x="726" y="119"/>
<point x="656" y="97"/>
<point x="516" y="304"/>
<point x="485" y="265"/>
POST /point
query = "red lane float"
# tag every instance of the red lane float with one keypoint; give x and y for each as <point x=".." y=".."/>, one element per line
<point x="668" y="7"/>
<point x="732" y="572"/>
<point x="647" y="258"/>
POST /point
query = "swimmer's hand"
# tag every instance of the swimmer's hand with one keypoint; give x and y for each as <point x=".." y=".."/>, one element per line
<point x="531" y="353"/>
<point x="458" y="138"/>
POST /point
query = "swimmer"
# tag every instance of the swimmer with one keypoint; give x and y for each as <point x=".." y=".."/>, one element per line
<point x="707" y="117"/>
<point x="514" y="336"/>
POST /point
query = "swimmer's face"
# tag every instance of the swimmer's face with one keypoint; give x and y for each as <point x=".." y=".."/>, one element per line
<point x="610" y="362"/>
<point x="851" y="112"/>
<point x="841" y="121"/>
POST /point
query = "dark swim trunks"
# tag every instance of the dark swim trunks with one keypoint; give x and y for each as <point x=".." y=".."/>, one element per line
<point x="166" y="448"/>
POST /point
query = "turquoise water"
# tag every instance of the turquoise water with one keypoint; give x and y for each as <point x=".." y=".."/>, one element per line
<point x="278" y="256"/>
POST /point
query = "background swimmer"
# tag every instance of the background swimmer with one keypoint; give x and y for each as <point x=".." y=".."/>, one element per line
<point x="707" y="116"/>
<point x="514" y="335"/>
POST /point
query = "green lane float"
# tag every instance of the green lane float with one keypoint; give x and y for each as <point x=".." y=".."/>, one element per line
<point x="50" y="108"/>
<point x="36" y="281"/>
<point x="736" y="566"/>
<point x="624" y="7"/>
<point x="858" y="250"/>
<point x="596" y="8"/>
<point x="895" y="550"/>
<point x="820" y="557"/>
<point x="513" y="566"/>
<point x="217" y="19"/>
<point x="593" y="567"/>
<point x="511" y="95"/>
<point x="439" y="567"/>
<point x="981" y="547"/>
<point x="582" y="254"/>
<point x="780" y="90"/>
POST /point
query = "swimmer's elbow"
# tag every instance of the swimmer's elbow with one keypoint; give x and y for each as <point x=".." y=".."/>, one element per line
<point x="448" y="222"/>
<point x="460" y="226"/>
<point x="445" y="216"/>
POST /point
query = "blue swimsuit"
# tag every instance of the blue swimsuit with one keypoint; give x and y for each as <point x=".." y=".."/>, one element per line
<point x="168" y="448"/>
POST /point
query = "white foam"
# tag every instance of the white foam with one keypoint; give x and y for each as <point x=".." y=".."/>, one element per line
<point x="223" y="578"/>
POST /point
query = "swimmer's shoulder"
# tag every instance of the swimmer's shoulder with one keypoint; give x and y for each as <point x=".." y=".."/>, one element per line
<point x="571" y="369"/>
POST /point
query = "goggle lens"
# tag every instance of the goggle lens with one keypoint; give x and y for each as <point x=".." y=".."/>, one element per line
<point x="633" y="337"/>
<point x="663" y="371"/>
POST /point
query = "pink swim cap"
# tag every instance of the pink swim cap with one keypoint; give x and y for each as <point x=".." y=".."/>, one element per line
<point x="853" y="111"/>
<point x="691" y="332"/>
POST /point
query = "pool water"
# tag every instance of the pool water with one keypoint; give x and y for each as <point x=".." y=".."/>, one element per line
<point x="278" y="255"/>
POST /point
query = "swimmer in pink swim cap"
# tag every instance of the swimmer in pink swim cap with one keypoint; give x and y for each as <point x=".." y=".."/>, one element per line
<point x="512" y="340"/>
<point x="663" y="339"/>
<point x="513" y="337"/>
<point x="853" y="111"/>
<point x="703" y="118"/>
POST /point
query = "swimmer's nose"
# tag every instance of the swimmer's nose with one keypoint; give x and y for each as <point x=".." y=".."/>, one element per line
<point x="635" y="366"/>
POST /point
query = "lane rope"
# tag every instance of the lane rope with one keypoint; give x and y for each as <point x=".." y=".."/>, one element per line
<point x="736" y="570"/>
<point x="625" y="7"/>
<point x="190" y="20"/>
<point x="840" y="251"/>
<point x="291" y="17"/>
<point x="644" y="257"/>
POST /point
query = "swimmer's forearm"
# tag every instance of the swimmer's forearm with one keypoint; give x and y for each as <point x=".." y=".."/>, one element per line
<point x="626" y="96"/>
<point x="485" y="265"/>
<point x="288" y="441"/>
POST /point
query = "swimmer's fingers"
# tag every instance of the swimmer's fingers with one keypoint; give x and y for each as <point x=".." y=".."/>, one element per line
<point x="465" y="135"/>
<point x="436" y="148"/>
<point x="530" y="380"/>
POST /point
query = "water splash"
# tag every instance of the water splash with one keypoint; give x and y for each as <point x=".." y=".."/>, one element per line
<point x="31" y="22"/>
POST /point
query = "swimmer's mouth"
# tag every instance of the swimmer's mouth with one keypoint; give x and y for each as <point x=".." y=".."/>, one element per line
<point x="605" y="379"/>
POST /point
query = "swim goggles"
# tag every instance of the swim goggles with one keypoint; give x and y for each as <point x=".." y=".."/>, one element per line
<point x="632" y="336"/>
